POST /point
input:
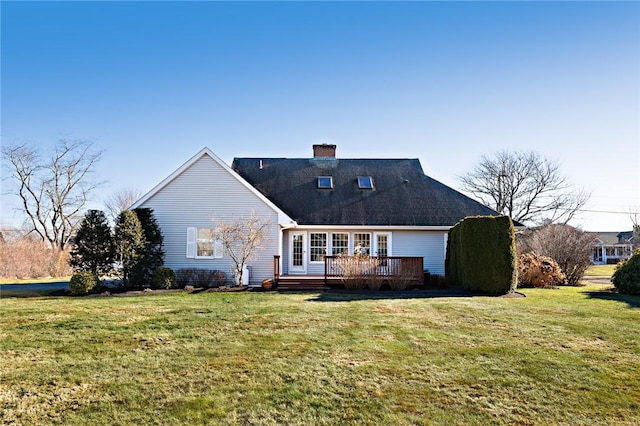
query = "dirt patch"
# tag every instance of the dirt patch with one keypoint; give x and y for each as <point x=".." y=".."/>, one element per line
<point x="514" y="295"/>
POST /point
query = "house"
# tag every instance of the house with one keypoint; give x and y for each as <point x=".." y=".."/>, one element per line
<point x="317" y="207"/>
<point x="612" y="247"/>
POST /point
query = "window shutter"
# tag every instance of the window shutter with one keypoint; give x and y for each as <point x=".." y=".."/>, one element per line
<point x="191" y="242"/>
<point x="218" y="249"/>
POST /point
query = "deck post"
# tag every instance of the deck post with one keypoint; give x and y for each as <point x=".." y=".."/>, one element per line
<point x="276" y="268"/>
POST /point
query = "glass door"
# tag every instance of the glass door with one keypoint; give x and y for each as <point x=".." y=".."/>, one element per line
<point x="297" y="253"/>
<point x="382" y="245"/>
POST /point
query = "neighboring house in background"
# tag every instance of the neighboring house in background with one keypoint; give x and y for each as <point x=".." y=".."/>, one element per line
<point x="612" y="247"/>
<point x="315" y="206"/>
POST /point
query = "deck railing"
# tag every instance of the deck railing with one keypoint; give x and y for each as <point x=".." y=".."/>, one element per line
<point x="392" y="268"/>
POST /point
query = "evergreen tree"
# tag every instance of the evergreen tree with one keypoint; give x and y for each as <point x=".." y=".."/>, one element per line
<point x="153" y="253"/>
<point x="129" y="244"/>
<point x="93" y="249"/>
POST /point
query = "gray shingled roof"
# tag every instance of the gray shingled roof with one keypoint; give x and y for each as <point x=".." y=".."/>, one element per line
<point x="403" y="194"/>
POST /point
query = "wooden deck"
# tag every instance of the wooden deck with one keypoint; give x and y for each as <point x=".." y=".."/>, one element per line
<point x="339" y="268"/>
<point x="301" y="283"/>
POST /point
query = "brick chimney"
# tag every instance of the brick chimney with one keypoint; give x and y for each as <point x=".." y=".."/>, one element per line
<point x="324" y="150"/>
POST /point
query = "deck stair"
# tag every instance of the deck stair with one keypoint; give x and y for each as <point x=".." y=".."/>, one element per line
<point x="301" y="283"/>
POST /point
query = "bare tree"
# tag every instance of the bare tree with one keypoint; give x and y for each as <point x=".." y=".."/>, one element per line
<point x="634" y="215"/>
<point x="570" y="247"/>
<point x="241" y="238"/>
<point x="525" y="186"/>
<point x="53" y="191"/>
<point x="120" y="201"/>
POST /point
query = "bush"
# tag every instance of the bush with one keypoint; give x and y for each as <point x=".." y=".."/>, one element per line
<point x="200" y="278"/>
<point x="626" y="277"/>
<point x="83" y="283"/>
<point x="152" y="254"/>
<point x="93" y="249"/>
<point x="568" y="246"/>
<point x="438" y="281"/>
<point x="539" y="271"/>
<point x="129" y="244"/>
<point x="183" y="277"/>
<point x="358" y="272"/>
<point x="28" y="257"/>
<point x="375" y="282"/>
<point x="481" y="255"/>
<point x="401" y="280"/>
<point x="163" y="278"/>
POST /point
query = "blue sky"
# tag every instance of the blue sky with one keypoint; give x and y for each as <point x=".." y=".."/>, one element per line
<point x="446" y="82"/>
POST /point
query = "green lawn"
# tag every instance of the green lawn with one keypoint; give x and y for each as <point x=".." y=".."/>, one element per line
<point x="601" y="270"/>
<point x="565" y="356"/>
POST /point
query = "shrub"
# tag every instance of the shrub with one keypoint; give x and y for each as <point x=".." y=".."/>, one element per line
<point x="93" y="249"/>
<point x="200" y="277"/>
<point x="183" y="277"/>
<point x="568" y="246"/>
<point x="28" y="257"/>
<point x="375" y="282"/>
<point x="626" y="277"/>
<point x="401" y="280"/>
<point x="438" y="281"/>
<point x="83" y="283"/>
<point x="152" y="254"/>
<point x="358" y="271"/>
<point x="129" y="244"/>
<point x="539" y="271"/>
<point x="163" y="278"/>
<point x="481" y="255"/>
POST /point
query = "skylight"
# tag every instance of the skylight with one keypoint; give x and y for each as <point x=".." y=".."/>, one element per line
<point x="325" y="182"/>
<point x="365" y="182"/>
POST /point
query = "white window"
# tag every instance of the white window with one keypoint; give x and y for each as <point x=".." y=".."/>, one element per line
<point x="339" y="243"/>
<point x="201" y="244"/>
<point x="361" y="244"/>
<point x="317" y="246"/>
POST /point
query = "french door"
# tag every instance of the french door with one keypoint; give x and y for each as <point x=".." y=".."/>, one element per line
<point x="382" y="244"/>
<point x="297" y="253"/>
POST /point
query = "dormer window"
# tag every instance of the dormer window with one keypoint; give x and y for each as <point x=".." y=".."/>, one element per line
<point x="365" y="182"/>
<point x="325" y="182"/>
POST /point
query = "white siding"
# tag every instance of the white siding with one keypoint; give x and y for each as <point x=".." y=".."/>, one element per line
<point x="428" y="244"/>
<point x="202" y="192"/>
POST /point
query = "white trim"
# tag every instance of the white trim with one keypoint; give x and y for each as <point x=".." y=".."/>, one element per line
<point x="283" y="218"/>
<point x="386" y="228"/>
<point x="301" y="269"/>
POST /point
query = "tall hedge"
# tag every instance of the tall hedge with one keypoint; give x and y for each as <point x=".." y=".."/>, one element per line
<point x="129" y="244"/>
<point x="152" y="255"/>
<point x="93" y="249"/>
<point x="481" y="255"/>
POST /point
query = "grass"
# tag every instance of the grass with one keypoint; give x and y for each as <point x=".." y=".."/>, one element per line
<point x="605" y="271"/>
<point x="569" y="355"/>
